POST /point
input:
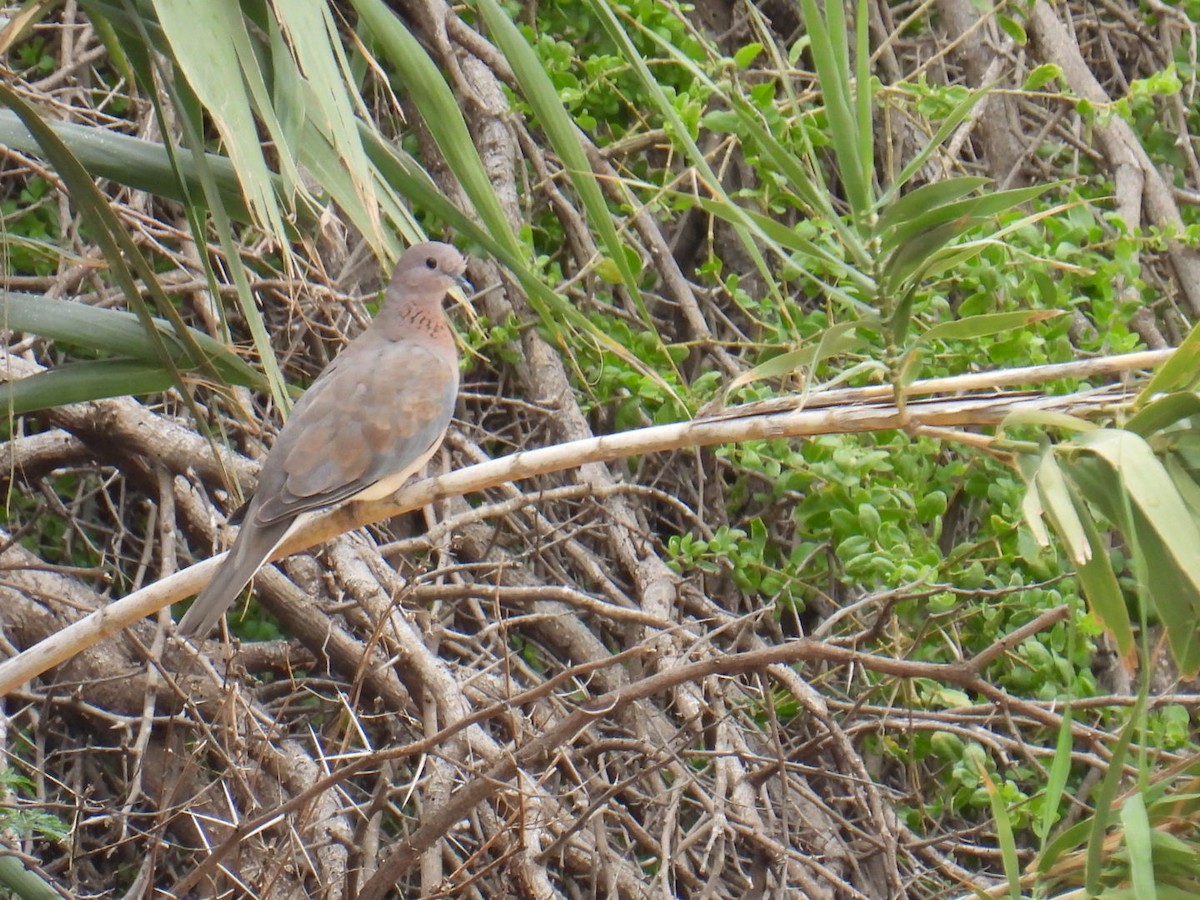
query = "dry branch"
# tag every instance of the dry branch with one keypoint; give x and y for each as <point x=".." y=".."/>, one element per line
<point x="858" y="412"/>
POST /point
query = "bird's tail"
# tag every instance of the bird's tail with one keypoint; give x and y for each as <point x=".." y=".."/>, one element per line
<point x="253" y="545"/>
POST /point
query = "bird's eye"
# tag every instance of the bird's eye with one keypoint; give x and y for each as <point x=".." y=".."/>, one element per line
<point x="430" y="262"/>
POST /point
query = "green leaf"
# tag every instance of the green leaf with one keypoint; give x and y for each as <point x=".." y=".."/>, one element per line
<point x="916" y="252"/>
<point x="126" y="263"/>
<point x="773" y="232"/>
<point x="926" y="197"/>
<point x="324" y="102"/>
<point x="223" y="70"/>
<point x="1097" y="854"/>
<point x="831" y="56"/>
<point x="142" y="165"/>
<point x="1056" y="782"/>
<point x="1160" y="84"/>
<point x="609" y="271"/>
<point x="805" y="178"/>
<point x="17" y="875"/>
<point x="117" y="332"/>
<point x="1180" y="372"/>
<point x="1033" y="511"/>
<point x="1067" y="841"/>
<point x="746" y="56"/>
<point x="1151" y="490"/>
<point x="1060" y="509"/>
<point x="1163" y="412"/>
<point x="1119" y="474"/>
<point x="957" y="116"/>
<point x="439" y="108"/>
<point x="721" y="121"/>
<point x="840" y="338"/>
<point x="910" y="368"/>
<point x="1184" y="482"/>
<point x="922" y="243"/>
<point x="966" y="212"/>
<point x="985" y="325"/>
<point x="564" y="136"/>
<point x="1138" y="842"/>
<point x="1013" y="29"/>
<point x="1104" y="596"/>
<point x="82" y="381"/>
<point x="864" y="101"/>
<point x="1041" y="76"/>
<point x="1004" y="834"/>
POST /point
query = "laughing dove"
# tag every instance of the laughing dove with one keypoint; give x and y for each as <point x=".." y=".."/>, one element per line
<point x="370" y="421"/>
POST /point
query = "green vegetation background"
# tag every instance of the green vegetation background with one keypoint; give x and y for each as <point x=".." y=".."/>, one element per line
<point x="838" y="222"/>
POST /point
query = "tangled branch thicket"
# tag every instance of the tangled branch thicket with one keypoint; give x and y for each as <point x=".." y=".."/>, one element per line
<point x="519" y="692"/>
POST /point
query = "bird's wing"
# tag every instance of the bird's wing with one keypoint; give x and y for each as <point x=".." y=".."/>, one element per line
<point x="374" y="414"/>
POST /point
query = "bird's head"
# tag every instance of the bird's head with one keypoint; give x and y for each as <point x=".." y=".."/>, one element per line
<point x="430" y="268"/>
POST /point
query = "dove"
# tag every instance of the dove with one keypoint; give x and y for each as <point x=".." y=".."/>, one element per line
<point x="370" y="421"/>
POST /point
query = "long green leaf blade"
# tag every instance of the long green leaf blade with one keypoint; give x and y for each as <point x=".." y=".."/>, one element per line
<point x="440" y="110"/>
<point x="1056" y="783"/>
<point x="1105" y="598"/>
<point x="985" y="325"/>
<point x="123" y="256"/>
<point x="1106" y="796"/>
<point x="828" y="47"/>
<point x="1060" y="508"/>
<point x="117" y="332"/>
<point x="1150" y="489"/>
<point x="926" y="197"/>
<point x="1138" y="842"/>
<point x="216" y="60"/>
<point x="79" y="382"/>
<point x="1164" y="412"/>
<point x="133" y="162"/>
<point x="561" y="131"/>
<point x="836" y="339"/>
<point x="1180" y="372"/>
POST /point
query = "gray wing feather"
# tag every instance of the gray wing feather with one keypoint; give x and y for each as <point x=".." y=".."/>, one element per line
<point x="374" y="413"/>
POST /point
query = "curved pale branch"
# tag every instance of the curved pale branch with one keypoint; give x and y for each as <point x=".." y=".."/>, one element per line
<point x="847" y="411"/>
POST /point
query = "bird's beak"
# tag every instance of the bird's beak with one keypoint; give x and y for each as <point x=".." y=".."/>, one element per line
<point x="462" y="294"/>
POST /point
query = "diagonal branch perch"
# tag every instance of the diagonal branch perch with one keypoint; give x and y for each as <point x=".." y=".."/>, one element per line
<point x="858" y="410"/>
